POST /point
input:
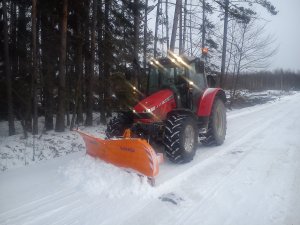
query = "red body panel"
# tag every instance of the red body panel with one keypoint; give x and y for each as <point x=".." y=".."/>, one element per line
<point x="158" y="104"/>
<point x="207" y="101"/>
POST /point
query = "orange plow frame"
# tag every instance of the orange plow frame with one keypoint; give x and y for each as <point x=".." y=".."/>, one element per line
<point x="131" y="153"/>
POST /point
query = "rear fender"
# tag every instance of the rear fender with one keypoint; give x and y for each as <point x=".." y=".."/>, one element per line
<point x="207" y="100"/>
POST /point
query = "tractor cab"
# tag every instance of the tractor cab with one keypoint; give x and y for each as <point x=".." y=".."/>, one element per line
<point x="185" y="77"/>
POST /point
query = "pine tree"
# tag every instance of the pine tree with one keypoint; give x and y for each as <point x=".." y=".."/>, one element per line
<point x="60" y="115"/>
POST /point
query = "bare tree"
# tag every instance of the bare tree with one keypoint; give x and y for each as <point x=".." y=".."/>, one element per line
<point x="236" y="10"/>
<point x="252" y="49"/>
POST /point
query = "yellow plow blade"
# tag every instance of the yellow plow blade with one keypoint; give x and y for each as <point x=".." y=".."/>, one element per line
<point x="132" y="153"/>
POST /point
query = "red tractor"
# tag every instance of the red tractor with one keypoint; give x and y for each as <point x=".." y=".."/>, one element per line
<point x="180" y="107"/>
<point x="179" y="110"/>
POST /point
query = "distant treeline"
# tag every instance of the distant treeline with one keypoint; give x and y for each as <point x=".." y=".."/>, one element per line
<point x="266" y="80"/>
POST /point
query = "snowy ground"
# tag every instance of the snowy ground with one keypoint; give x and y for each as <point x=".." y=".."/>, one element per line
<point x="15" y="151"/>
<point x="253" y="178"/>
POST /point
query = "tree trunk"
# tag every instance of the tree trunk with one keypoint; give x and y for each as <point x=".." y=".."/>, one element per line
<point x="60" y="116"/>
<point x="167" y="24"/>
<point x="180" y="30"/>
<point x="34" y="69"/>
<point x="11" y="125"/>
<point x="48" y="67"/>
<point x="226" y="8"/>
<point x="228" y="64"/>
<point x="156" y="28"/>
<point x="101" y="65"/>
<point x="240" y="52"/>
<point x="136" y="43"/>
<point x="145" y="36"/>
<point x="78" y="71"/>
<point x="23" y="64"/>
<point x="108" y="55"/>
<point x="203" y="25"/>
<point x="68" y="93"/>
<point x="90" y="76"/>
<point x="13" y="37"/>
<point x="175" y="24"/>
<point x="87" y="66"/>
<point x="184" y="26"/>
<point x="191" y="36"/>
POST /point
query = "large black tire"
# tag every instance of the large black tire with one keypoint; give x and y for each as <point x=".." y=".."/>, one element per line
<point x="117" y="125"/>
<point x="180" y="138"/>
<point x="217" y="125"/>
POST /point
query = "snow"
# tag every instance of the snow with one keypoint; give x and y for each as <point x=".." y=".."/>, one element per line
<point x="253" y="178"/>
<point x="15" y="151"/>
<point x="111" y="182"/>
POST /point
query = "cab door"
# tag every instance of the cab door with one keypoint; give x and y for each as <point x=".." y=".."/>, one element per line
<point x="197" y="84"/>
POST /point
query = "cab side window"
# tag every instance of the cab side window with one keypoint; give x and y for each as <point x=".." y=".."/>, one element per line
<point x="196" y="76"/>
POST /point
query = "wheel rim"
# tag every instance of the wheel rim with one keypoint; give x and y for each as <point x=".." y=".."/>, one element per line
<point x="189" y="134"/>
<point x="219" y="121"/>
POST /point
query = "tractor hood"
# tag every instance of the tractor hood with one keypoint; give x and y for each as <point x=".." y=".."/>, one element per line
<point x="156" y="106"/>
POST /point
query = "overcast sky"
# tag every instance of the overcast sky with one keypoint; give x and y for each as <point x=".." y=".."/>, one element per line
<point x="286" y="28"/>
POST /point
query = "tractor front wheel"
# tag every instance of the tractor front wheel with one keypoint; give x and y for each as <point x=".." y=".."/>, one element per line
<point x="216" y="131"/>
<point x="117" y="126"/>
<point x="181" y="138"/>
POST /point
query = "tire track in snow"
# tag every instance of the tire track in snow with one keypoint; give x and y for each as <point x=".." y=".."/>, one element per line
<point x="210" y="193"/>
<point x="220" y="156"/>
<point x="46" y="205"/>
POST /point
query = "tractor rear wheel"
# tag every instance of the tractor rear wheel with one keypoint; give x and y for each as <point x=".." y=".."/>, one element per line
<point x="181" y="138"/>
<point x="117" y="125"/>
<point x="216" y="131"/>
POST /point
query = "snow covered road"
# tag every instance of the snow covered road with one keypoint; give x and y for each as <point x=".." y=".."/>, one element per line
<point x="253" y="178"/>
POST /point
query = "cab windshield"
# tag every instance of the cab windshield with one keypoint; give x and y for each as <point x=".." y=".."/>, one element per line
<point x="171" y="76"/>
<point x="166" y="77"/>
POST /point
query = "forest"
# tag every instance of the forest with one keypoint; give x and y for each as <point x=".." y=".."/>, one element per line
<point x="64" y="60"/>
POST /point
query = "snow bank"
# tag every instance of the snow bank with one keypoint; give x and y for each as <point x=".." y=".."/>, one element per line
<point x="16" y="151"/>
<point x="96" y="177"/>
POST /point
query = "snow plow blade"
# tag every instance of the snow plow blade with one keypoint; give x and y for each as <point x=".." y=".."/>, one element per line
<point x="130" y="153"/>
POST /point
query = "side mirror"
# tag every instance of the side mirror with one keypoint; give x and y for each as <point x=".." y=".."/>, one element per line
<point x="211" y="81"/>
